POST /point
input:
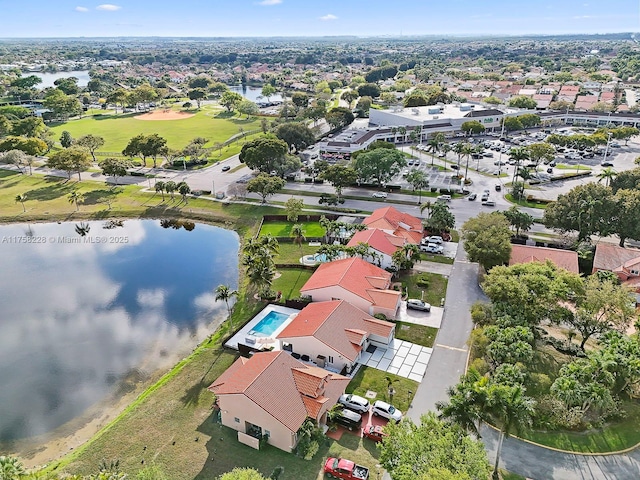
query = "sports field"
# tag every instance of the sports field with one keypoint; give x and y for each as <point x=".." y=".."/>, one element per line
<point x="210" y="122"/>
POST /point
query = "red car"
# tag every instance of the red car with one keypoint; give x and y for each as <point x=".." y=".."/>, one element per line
<point x="345" y="469"/>
<point x="374" y="432"/>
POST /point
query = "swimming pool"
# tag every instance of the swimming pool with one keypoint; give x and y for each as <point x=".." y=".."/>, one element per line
<point x="269" y="324"/>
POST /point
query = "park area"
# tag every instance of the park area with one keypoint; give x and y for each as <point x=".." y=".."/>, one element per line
<point x="178" y="129"/>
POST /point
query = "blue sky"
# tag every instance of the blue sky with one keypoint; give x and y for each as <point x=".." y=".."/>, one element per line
<point x="227" y="18"/>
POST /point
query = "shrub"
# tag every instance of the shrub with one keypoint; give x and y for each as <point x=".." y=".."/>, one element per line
<point x="433" y="189"/>
<point x="275" y="475"/>
<point x="481" y="313"/>
<point x="552" y="414"/>
<point x="478" y="342"/>
<point x="480" y="365"/>
<point x="538" y="383"/>
<point x="380" y="316"/>
<point x="422" y="281"/>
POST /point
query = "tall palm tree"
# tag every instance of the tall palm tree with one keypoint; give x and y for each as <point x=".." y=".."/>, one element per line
<point x="77" y="198"/>
<point x="467" y="151"/>
<point x="21" y="198"/>
<point x="514" y="411"/>
<point x="445" y="148"/>
<point x="520" y="155"/>
<point x="428" y="205"/>
<point x="170" y="187"/>
<point x="224" y="292"/>
<point x="183" y="190"/>
<point x="607" y="174"/>
<point x="390" y="390"/>
<point x="160" y="188"/>
<point x="297" y="233"/>
<point x="467" y="402"/>
<point x="458" y="149"/>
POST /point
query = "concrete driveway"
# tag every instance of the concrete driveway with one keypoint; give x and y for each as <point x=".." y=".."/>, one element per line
<point x="402" y="358"/>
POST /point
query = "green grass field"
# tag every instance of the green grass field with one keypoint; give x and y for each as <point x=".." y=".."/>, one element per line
<point x="375" y="380"/>
<point x="291" y="281"/>
<point x="210" y="122"/>
<point x="420" y="334"/>
<point x="433" y="293"/>
<point x="283" y="229"/>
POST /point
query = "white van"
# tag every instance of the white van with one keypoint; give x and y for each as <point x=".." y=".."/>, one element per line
<point x="444" y="198"/>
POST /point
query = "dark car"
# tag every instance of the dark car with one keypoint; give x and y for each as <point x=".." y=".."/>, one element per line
<point x="226" y="168"/>
<point x="455" y="167"/>
<point x="472" y="197"/>
<point x="348" y="419"/>
<point x="606" y="163"/>
<point x="498" y="187"/>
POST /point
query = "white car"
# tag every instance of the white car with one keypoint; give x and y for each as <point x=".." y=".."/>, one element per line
<point x="383" y="409"/>
<point x="432" y="248"/>
<point x="354" y="402"/>
<point x="415" y="304"/>
<point x="379" y="194"/>
<point x="437" y="239"/>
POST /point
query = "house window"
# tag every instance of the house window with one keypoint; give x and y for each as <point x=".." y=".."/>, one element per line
<point x="634" y="272"/>
<point x="333" y="299"/>
<point x="236" y="419"/>
<point x="330" y="359"/>
<point x="267" y="433"/>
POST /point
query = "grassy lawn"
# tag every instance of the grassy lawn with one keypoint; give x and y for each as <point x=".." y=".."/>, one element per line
<point x="510" y="476"/>
<point x="563" y="166"/>
<point x="369" y="378"/>
<point x="283" y="229"/>
<point x="525" y="203"/>
<point x="118" y="129"/>
<point x="433" y="293"/>
<point x="290" y="281"/>
<point x="290" y="252"/>
<point x="436" y="258"/>
<point x="413" y="333"/>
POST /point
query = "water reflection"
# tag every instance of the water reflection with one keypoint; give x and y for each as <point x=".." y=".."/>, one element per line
<point x="77" y="313"/>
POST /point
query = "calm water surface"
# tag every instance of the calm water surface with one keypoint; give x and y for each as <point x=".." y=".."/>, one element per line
<point x="76" y="318"/>
<point x="253" y="94"/>
<point x="49" y="78"/>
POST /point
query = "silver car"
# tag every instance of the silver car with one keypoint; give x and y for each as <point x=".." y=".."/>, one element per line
<point x="415" y="304"/>
<point x="354" y="402"/>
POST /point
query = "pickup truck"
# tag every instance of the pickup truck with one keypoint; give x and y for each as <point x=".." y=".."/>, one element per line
<point x="345" y="469"/>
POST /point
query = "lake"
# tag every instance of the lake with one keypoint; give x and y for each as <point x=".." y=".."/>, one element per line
<point x="49" y="78"/>
<point x="81" y="314"/>
<point x="252" y="93"/>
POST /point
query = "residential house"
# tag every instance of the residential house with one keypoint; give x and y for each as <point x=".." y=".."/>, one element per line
<point x="566" y="259"/>
<point x="272" y="394"/>
<point x="624" y="262"/>
<point x="396" y="223"/>
<point x="382" y="245"/>
<point x="334" y="334"/>
<point x="360" y="283"/>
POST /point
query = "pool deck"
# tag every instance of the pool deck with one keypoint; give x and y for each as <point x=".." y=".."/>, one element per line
<point x="243" y="335"/>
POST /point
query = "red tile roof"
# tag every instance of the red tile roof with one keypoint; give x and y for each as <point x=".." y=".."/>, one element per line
<point x="356" y="276"/>
<point x="378" y="240"/>
<point x="392" y="220"/>
<point x="566" y="259"/>
<point x="285" y="388"/>
<point x="337" y="324"/>
<point x="614" y="258"/>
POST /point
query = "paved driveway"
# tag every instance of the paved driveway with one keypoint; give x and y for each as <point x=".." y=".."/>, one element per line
<point x="402" y="358"/>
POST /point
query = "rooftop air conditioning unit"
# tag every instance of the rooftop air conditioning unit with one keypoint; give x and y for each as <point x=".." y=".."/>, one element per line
<point x="415" y="111"/>
<point x="435" y="117"/>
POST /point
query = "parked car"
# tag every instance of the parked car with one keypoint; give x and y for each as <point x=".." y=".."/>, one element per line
<point x="374" y="432"/>
<point x="606" y="163"/>
<point x="437" y="239"/>
<point x="454" y="167"/>
<point x="489" y="203"/>
<point x="329" y="199"/>
<point x="354" y="402"/>
<point x="498" y="187"/>
<point x="415" y="304"/>
<point x="348" y="419"/>
<point x="379" y="194"/>
<point x="432" y="248"/>
<point x="383" y="409"/>
<point x="345" y="469"/>
<point x="472" y="197"/>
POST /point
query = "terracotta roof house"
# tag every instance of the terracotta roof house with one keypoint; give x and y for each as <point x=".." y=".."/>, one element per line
<point x="272" y="394"/>
<point x="624" y="262"/>
<point x="382" y="245"/>
<point x="360" y="283"/>
<point x="566" y="259"/>
<point x="334" y="334"/>
<point x="397" y="223"/>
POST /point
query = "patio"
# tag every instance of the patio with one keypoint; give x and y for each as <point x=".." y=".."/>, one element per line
<point x="401" y="358"/>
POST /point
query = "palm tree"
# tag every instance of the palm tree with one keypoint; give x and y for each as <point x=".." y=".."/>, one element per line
<point x="607" y="174"/>
<point x="446" y="148"/>
<point x="467" y="151"/>
<point x="467" y="402"/>
<point x="82" y="229"/>
<point x="509" y="405"/>
<point x="77" y="198"/>
<point x="160" y="188"/>
<point x="523" y="173"/>
<point x="390" y="390"/>
<point x="21" y="198"/>
<point x="298" y="235"/>
<point x="10" y="468"/>
<point x="428" y="205"/>
<point x="458" y="149"/>
<point x="183" y="190"/>
<point x="224" y="292"/>
<point x="519" y="154"/>
<point x="170" y="187"/>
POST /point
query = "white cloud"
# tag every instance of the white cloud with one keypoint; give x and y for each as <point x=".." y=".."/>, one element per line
<point x="108" y="7"/>
<point x="268" y="3"/>
<point x="328" y="17"/>
<point x="82" y="9"/>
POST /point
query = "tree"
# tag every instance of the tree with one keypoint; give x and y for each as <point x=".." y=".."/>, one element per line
<point x="339" y="176"/>
<point x="369" y="90"/>
<point x="300" y="100"/>
<point x="159" y="187"/>
<point x="472" y="127"/>
<point x="297" y="233"/>
<point x="242" y="474"/>
<point x="513" y="409"/>
<point x="90" y="142"/>
<point x="418" y="180"/>
<point x="519" y="220"/>
<point x="264" y="154"/>
<point x="68" y="85"/>
<point x="586" y="209"/>
<point x="248" y="108"/>
<point x="230" y="100"/>
<point x="21" y="198"/>
<point x="66" y="140"/>
<point x="30" y="146"/>
<point x="62" y="105"/>
<point x="540" y="152"/>
<point x="115" y="167"/>
<point x="467" y="402"/>
<point x="70" y="160"/>
<point x="487" y="239"/>
<point x="77" y="198"/>
<point x="511" y="124"/>
<point x="406" y="256"/>
<point x="197" y="94"/>
<point x="268" y="91"/>
<point x="411" y="452"/>
<point x="628" y="179"/>
<point x="293" y="207"/>
<point x="116" y="97"/>
<point x="225" y="293"/>
<point x="17" y="158"/>
<point x="258" y="259"/>
<point x="170" y="187"/>
<point x="601" y="306"/>
<point x="522" y="101"/>
<point x="184" y="190"/>
<point x="509" y="345"/>
<point x="11" y="468"/>
<point x="440" y="218"/>
<point x="296" y="135"/>
<point x="379" y="165"/>
<point x="349" y="96"/>
<point x="339" y="117"/>
<point x="626" y="220"/>
<point x="265" y="185"/>
<point x="146" y="146"/>
<point x="607" y="174"/>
